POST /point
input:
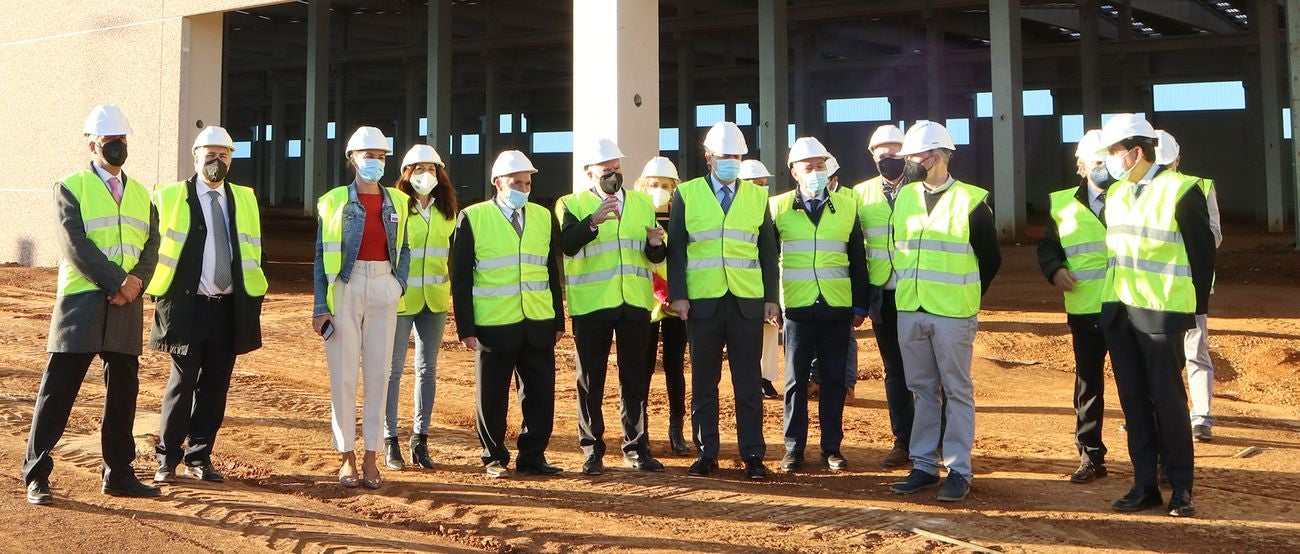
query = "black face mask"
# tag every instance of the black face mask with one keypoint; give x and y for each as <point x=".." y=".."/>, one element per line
<point x="114" y="152"/>
<point x="891" y="168"/>
<point x="215" y="170"/>
<point x="611" y="182"/>
<point x="913" y="172"/>
<point x="1102" y="178"/>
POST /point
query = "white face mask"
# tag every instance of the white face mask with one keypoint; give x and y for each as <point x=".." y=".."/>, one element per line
<point x="424" y="183"/>
<point x="1115" y="165"/>
<point x="660" y="197"/>
<point x="815" y="182"/>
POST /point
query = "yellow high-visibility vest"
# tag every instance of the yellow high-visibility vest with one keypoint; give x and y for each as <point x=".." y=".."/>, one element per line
<point x="427" y="284"/>
<point x="874" y="213"/>
<point x="1148" y="259"/>
<point x="937" y="268"/>
<point x="174" y="226"/>
<point x="814" y="258"/>
<point x="330" y="210"/>
<point x="612" y="269"/>
<point x="511" y="282"/>
<point x="722" y="255"/>
<point x="118" y="230"/>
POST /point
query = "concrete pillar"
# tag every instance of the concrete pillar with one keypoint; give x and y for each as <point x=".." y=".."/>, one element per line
<point x="934" y="69"/>
<point x="773" y="82"/>
<point x="1008" y="120"/>
<point x="342" y="129"/>
<point x="1089" y="11"/>
<point x="438" y="82"/>
<point x="687" y="147"/>
<point x="1269" y="82"/>
<point x="199" y="85"/>
<point x="1293" y="63"/>
<point x="491" y="109"/>
<point x="616" y="78"/>
<point x="318" y="69"/>
<point x="276" y="161"/>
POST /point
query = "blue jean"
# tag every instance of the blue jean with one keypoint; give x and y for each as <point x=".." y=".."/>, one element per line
<point x="428" y="338"/>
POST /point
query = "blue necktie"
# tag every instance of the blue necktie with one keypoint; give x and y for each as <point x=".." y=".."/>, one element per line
<point x="813" y="204"/>
<point x="726" y="199"/>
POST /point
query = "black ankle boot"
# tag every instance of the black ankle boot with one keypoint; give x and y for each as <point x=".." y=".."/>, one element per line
<point x="675" y="438"/>
<point x="420" y="451"/>
<point x="393" y="454"/>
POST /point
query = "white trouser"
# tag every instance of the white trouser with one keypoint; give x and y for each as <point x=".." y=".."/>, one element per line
<point x="771" y="369"/>
<point x="1200" y="371"/>
<point x="365" y="319"/>
<point x="937" y="354"/>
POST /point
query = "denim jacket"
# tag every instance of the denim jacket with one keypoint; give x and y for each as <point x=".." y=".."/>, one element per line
<point x="354" y="223"/>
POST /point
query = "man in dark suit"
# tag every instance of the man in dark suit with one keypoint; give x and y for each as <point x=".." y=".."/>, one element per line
<point x="722" y="280"/>
<point x="207" y="292"/>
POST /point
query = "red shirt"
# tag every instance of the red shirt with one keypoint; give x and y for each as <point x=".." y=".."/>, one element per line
<point x="374" y="240"/>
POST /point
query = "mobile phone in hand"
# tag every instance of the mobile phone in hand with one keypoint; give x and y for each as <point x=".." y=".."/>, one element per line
<point x="327" y="330"/>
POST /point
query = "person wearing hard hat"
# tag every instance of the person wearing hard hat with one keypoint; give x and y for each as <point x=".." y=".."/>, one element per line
<point x="945" y="254"/>
<point x="108" y="236"/>
<point x="431" y="216"/>
<point x="1072" y="256"/>
<point x="1160" y="270"/>
<point x="1196" y="345"/>
<point x="360" y="274"/>
<point x="610" y="241"/>
<point x="207" y="290"/>
<point x="505" y="283"/>
<point x="823" y="296"/>
<point x="755" y="172"/>
<point x="659" y="179"/>
<point x="851" y="365"/>
<point x="722" y="279"/>
<point x="875" y="209"/>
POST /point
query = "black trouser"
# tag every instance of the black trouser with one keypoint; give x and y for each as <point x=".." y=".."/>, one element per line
<point x="194" y="403"/>
<point x="673" y="333"/>
<point x="534" y="370"/>
<point x="59" y="387"/>
<point x="897" y="396"/>
<point x="743" y="338"/>
<point x="592" y="339"/>
<point x="826" y="341"/>
<point x="1089" y="387"/>
<point x="1149" y="379"/>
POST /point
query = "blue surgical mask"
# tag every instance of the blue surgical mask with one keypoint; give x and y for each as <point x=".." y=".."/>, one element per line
<point x="512" y="198"/>
<point x="1115" y="165"/>
<point x="815" y="182"/>
<point x="371" y="170"/>
<point x="726" y="169"/>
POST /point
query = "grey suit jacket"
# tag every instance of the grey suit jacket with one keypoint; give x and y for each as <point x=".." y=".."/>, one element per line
<point x="86" y="322"/>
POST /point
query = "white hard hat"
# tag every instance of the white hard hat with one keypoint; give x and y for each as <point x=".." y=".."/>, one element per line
<point x="1167" y="149"/>
<point x="1089" y="143"/>
<point x="725" y="138"/>
<point x="832" y="165"/>
<point x="1123" y="126"/>
<point x="660" y="166"/>
<point x="422" y="153"/>
<point x="753" y="169"/>
<point x="368" y="138"/>
<point x="806" y="148"/>
<point x="925" y="136"/>
<point x="885" y="134"/>
<point x="597" y="151"/>
<point x="213" y="136"/>
<point x="511" y="161"/>
<point x="106" y="120"/>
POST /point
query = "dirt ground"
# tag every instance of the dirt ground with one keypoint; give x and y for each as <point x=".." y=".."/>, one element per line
<point x="281" y="493"/>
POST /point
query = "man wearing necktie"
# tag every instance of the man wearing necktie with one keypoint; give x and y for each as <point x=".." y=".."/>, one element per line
<point x="108" y="235"/>
<point x="722" y="280"/>
<point x="207" y="292"/>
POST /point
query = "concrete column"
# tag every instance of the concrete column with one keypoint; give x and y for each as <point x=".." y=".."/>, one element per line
<point x="342" y="129"/>
<point x="408" y="131"/>
<point x="687" y="147"/>
<point x="1008" y="120"/>
<point x="438" y="84"/>
<point x="1293" y="63"/>
<point x="934" y="69"/>
<point x="198" y="88"/>
<point x="616" y="78"/>
<point x="491" y="110"/>
<point x="1089" y="11"/>
<point x="276" y="146"/>
<point x="1269" y="82"/>
<point x="773" y="82"/>
<point x="318" y="70"/>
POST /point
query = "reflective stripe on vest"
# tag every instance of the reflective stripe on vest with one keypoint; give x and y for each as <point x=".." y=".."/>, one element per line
<point x="937" y="269"/>
<point x="329" y="210"/>
<point x="174" y="222"/>
<point x="119" y="231"/>
<point x="1083" y="238"/>
<point x="722" y="253"/>
<point x="511" y="281"/>
<point x="1148" y="266"/>
<point x="814" y="258"/>
<point x="874" y="213"/>
<point x="427" y="285"/>
<point x="612" y="269"/>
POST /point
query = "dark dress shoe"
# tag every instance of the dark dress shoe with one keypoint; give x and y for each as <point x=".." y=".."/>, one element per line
<point x="165" y="475"/>
<point x="593" y="465"/>
<point x="954" y="489"/>
<point x="916" y="481"/>
<point x="204" y="472"/>
<point x="1180" y="504"/>
<point x="676" y="440"/>
<point x="769" y="391"/>
<point x="897" y="457"/>
<point x="540" y="468"/>
<point x="835" y="461"/>
<point x="38" y="492"/>
<point x="1139" y="499"/>
<point x="754" y="469"/>
<point x="393" y="454"/>
<point x="496" y="470"/>
<point x="791" y="461"/>
<point x="1202" y="433"/>
<point x="703" y="467"/>
<point x="642" y="461"/>
<point x="420" y="451"/>
<point x="133" y="488"/>
<point x="1088" y="472"/>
